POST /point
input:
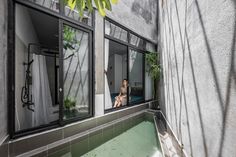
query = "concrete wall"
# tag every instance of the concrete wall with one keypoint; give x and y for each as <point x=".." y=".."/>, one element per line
<point x="137" y="15"/>
<point x="3" y="70"/>
<point x="197" y="45"/>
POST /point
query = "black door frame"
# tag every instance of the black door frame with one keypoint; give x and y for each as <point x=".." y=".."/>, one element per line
<point x="61" y="79"/>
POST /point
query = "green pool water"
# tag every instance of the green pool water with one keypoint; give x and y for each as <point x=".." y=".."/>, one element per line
<point x="139" y="141"/>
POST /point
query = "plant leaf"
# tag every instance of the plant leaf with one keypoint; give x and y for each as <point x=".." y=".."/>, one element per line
<point x="89" y="5"/>
<point x="114" y="1"/>
<point x="100" y="7"/>
<point x="107" y="4"/>
<point x="71" y="4"/>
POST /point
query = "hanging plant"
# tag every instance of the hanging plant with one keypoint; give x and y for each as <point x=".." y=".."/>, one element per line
<point x="81" y="5"/>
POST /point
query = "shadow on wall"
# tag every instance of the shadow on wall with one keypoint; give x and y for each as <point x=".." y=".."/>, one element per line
<point x="175" y="104"/>
<point x="144" y="9"/>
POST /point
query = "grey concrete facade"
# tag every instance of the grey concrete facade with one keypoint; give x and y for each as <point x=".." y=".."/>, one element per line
<point x="197" y="44"/>
<point x="3" y="70"/>
<point x="137" y="15"/>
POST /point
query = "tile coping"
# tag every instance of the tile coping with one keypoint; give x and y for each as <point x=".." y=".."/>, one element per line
<point x="75" y="123"/>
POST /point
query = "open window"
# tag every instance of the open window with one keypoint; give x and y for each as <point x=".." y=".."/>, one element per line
<point x="125" y="60"/>
<point x="116" y="72"/>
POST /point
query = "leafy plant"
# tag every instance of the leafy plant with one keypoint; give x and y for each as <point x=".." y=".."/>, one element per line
<point x="81" y="5"/>
<point x="69" y="103"/>
<point x="69" y="40"/>
<point x="153" y="69"/>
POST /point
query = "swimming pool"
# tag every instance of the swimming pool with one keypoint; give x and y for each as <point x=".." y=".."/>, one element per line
<point x="124" y="140"/>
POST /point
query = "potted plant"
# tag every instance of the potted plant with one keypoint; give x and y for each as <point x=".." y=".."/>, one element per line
<point x="69" y="107"/>
<point x="154" y="70"/>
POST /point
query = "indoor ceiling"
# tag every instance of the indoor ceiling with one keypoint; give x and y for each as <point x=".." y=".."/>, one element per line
<point x="46" y="28"/>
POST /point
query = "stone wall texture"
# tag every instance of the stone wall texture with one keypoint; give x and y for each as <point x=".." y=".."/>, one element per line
<point x="137" y="15"/>
<point x="3" y="70"/>
<point x="197" y="41"/>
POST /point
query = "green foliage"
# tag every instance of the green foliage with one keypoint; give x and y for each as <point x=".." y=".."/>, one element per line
<point x="153" y="68"/>
<point x="69" y="103"/>
<point x="69" y="39"/>
<point x="81" y="5"/>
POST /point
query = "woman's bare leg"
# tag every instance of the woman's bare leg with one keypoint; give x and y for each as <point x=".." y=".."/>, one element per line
<point x="120" y="102"/>
<point x="116" y="102"/>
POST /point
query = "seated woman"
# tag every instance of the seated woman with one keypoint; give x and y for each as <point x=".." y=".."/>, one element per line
<point x="121" y="99"/>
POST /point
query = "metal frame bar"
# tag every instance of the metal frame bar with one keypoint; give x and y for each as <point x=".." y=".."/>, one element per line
<point x="128" y="30"/>
<point x="11" y="66"/>
<point x="59" y="14"/>
<point x="90" y="76"/>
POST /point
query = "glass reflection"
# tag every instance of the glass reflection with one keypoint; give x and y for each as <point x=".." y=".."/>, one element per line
<point x="115" y="31"/>
<point x="76" y="80"/>
<point x="50" y="4"/>
<point x="136" y="93"/>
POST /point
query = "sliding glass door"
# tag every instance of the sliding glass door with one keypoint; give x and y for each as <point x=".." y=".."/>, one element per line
<point x="76" y="73"/>
<point x="136" y="76"/>
<point x="53" y="72"/>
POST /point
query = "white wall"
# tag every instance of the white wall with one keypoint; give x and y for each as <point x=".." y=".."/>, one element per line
<point x="25" y="34"/>
<point x="136" y="70"/>
<point x="118" y="72"/>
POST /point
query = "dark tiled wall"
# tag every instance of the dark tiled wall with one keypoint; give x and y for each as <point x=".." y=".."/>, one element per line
<point x="65" y="136"/>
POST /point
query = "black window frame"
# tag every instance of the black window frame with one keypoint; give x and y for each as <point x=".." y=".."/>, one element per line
<point x="129" y="47"/>
<point x="11" y="65"/>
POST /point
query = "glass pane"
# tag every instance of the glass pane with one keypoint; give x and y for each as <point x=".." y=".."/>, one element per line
<point x="76" y="71"/>
<point x="148" y="83"/>
<point x="136" y="41"/>
<point x="116" y="74"/>
<point x="74" y="14"/>
<point x="36" y="69"/>
<point x="136" y="93"/>
<point x="150" y="47"/>
<point x="50" y="4"/>
<point x="115" y="31"/>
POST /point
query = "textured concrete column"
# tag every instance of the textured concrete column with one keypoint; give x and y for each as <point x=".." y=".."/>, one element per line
<point x="197" y="40"/>
<point x="99" y="64"/>
<point x="3" y="70"/>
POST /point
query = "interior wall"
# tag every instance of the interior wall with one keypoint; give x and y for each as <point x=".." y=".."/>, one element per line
<point x="3" y="70"/>
<point x="197" y="44"/>
<point x="118" y="72"/>
<point x="136" y="70"/>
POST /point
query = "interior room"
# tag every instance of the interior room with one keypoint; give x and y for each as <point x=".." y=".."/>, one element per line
<point x="136" y="76"/>
<point x="117" y="68"/>
<point x="37" y="52"/>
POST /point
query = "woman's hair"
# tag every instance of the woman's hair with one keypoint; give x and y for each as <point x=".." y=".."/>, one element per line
<point x="125" y="80"/>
